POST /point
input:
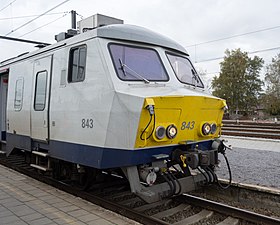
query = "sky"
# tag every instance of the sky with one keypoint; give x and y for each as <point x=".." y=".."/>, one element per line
<point x="205" y="27"/>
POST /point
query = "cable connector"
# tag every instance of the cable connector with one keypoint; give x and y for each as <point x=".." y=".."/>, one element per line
<point x="151" y="109"/>
<point x="150" y="105"/>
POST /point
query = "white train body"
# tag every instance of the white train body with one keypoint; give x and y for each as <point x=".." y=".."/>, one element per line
<point x="93" y="110"/>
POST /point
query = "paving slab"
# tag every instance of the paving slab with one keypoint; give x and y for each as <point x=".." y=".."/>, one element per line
<point x="25" y="201"/>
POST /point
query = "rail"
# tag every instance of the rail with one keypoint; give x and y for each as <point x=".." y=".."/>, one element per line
<point x="231" y="211"/>
<point x="251" y="129"/>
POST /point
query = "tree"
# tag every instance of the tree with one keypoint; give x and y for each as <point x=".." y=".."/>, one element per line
<point x="272" y="81"/>
<point x="238" y="81"/>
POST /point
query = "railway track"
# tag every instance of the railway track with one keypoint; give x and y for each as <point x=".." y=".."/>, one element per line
<point x="251" y="129"/>
<point x="184" y="209"/>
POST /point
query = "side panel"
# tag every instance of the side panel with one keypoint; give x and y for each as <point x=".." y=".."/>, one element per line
<point x="79" y="111"/>
<point x="40" y="99"/>
<point x="18" y="105"/>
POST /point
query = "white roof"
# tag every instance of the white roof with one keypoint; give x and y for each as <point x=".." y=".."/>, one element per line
<point x="115" y="31"/>
<point x="138" y="34"/>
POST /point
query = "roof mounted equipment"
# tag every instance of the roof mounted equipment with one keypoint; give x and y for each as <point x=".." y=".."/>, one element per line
<point x="95" y="21"/>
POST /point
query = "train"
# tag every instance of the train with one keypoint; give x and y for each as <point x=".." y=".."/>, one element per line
<point x="112" y="98"/>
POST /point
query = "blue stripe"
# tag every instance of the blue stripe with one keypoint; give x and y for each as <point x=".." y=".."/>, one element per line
<point x="92" y="156"/>
<point x="103" y="158"/>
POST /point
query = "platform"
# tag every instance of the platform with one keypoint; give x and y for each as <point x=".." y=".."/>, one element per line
<point x="25" y="201"/>
<point x="253" y="143"/>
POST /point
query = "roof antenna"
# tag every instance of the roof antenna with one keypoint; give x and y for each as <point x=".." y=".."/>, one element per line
<point x="71" y="32"/>
<point x="73" y="19"/>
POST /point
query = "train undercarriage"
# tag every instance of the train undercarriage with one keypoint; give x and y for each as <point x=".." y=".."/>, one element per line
<point x="182" y="172"/>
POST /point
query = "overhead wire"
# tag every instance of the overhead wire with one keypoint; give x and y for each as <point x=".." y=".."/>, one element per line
<point x="7" y="5"/>
<point x="37" y="17"/>
<point x="234" y="36"/>
<point x="44" y="25"/>
<point x="29" y="16"/>
<point x="252" y="52"/>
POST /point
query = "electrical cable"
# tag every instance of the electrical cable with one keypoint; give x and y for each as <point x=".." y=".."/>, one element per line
<point x="249" y="53"/>
<point x="7" y="5"/>
<point x="230" y="175"/>
<point x="44" y="25"/>
<point x="151" y="117"/>
<point x="22" y="17"/>
<point x="141" y="136"/>
<point x="24" y="40"/>
<point x="234" y="36"/>
<point x="37" y="17"/>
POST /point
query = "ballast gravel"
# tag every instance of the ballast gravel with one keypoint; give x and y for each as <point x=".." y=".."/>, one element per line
<point x="252" y="167"/>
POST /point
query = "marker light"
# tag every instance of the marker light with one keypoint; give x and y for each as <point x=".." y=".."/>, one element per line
<point x="213" y="128"/>
<point x="171" y="131"/>
<point x="206" y="129"/>
<point x="160" y="132"/>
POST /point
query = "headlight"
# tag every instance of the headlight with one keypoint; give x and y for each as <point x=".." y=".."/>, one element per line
<point x="160" y="132"/>
<point x="213" y="128"/>
<point x="206" y="129"/>
<point x="171" y="131"/>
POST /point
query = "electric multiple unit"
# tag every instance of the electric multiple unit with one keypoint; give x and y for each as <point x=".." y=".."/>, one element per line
<point x="116" y="98"/>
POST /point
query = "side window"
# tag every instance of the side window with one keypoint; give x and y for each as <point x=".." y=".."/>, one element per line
<point x="77" y="64"/>
<point x="18" y="94"/>
<point x="40" y="91"/>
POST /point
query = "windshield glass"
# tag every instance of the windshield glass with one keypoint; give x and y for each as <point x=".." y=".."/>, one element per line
<point x="184" y="70"/>
<point x="137" y="64"/>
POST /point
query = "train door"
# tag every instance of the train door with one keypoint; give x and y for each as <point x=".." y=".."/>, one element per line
<point x="3" y="102"/>
<point x="40" y="101"/>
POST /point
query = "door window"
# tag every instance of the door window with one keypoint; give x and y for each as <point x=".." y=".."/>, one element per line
<point x="40" y="91"/>
<point x="18" y="94"/>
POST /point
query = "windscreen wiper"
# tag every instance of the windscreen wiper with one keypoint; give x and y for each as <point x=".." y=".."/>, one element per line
<point x="195" y="77"/>
<point x="135" y="74"/>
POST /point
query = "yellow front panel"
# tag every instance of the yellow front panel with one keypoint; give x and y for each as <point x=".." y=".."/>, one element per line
<point x="187" y="113"/>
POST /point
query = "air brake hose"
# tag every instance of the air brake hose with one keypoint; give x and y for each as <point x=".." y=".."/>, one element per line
<point x="211" y="178"/>
<point x="229" y="171"/>
<point x="179" y="184"/>
<point x="213" y="174"/>
<point x="206" y="179"/>
<point x="173" y="183"/>
<point x="170" y="185"/>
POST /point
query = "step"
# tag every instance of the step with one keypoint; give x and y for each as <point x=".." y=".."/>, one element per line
<point x="43" y="154"/>
<point x="43" y="168"/>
